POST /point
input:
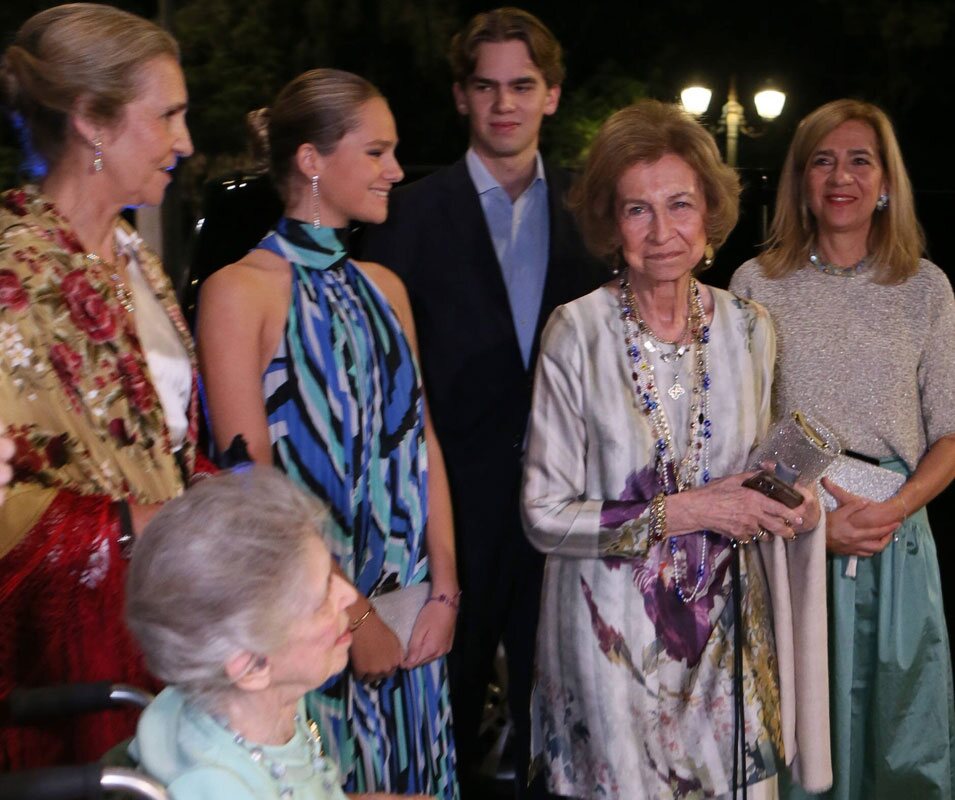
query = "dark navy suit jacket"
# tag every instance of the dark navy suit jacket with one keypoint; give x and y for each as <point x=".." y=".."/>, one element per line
<point x="479" y="391"/>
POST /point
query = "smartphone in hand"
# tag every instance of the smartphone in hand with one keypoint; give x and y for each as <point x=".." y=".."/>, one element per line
<point x="770" y="485"/>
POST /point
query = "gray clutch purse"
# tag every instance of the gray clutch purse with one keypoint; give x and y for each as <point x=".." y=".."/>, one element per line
<point x="802" y="444"/>
<point x="810" y="448"/>
<point x="814" y="451"/>
<point x="861" y="478"/>
<point x="399" y="609"/>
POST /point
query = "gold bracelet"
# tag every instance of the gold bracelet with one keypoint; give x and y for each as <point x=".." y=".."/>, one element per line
<point x="905" y="510"/>
<point x="358" y="622"/>
<point x="658" y="519"/>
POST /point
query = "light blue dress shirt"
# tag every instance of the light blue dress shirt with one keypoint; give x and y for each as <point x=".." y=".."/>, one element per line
<point x="520" y="232"/>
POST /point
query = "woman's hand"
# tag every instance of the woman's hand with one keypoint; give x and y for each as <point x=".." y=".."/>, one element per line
<point x="727" y="507"/>
<point x="859" y="527"/>
<point x="375" y="650"/>
<point x="809" y="511"/>
<point x="432" y="635"/>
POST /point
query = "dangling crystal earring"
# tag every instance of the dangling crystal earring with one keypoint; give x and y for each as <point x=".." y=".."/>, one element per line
<point x="882" y="203"/>
<point x="708" y="255"/>
<point x="97" y="155"/>
<point x="316" y="218"/>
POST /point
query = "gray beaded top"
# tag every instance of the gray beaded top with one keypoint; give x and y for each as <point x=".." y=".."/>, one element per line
<point x="875" y="363"/>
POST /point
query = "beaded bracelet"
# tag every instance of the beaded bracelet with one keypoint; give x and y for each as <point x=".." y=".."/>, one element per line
<point x="450" y="600"/>
<point x="358" y="622"/>
<point x="658" y="519"/>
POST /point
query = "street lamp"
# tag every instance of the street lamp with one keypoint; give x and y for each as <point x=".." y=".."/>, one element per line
<point x="769" y="104"/>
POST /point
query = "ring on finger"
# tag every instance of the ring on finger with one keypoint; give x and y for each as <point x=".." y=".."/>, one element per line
<point x="762" y="534"/>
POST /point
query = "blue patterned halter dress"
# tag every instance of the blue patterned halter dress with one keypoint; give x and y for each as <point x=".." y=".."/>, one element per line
<point x="346" y="421"/>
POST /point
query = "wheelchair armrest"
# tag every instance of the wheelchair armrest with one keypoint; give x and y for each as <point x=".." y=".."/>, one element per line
<point x="88" y="781"/>
<point x="27" y="706"/>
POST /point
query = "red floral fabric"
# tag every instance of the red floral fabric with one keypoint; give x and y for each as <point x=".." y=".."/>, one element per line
<point x="89" y="430"/>
<point x="61" y="621"/>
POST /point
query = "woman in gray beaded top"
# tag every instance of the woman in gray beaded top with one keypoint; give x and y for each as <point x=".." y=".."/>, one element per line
<point x="866" y="334"/>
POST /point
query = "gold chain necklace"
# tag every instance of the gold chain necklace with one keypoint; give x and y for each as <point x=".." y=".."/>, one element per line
<point x="123" y="292"/>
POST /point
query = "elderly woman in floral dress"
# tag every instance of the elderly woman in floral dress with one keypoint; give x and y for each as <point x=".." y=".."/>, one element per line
<point x="650" y="394"/>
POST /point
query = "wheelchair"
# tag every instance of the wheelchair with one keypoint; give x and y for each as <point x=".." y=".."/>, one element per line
<point x="87" y="781"/>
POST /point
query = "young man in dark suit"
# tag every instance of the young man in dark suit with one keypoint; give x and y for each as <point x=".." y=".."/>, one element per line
<point x="487" y="250"/>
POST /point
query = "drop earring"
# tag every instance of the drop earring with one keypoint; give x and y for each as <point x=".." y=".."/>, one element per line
<point x="316" y="217"/>
<point x="708" y="255"/>
<point x="883" y="202"/>
<point x="97" y="155"/>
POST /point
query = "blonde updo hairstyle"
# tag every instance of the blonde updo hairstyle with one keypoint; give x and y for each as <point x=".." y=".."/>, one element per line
<point x="318" y="107"/>
<point x="645" y="132"/>
<point x="71" y="54"/>
<point x="896" y="240"/>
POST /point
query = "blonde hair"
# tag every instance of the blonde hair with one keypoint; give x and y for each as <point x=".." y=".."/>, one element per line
<point x="319" y="106"/>
<point x="645" y="132"/>
<point x="896" y="241"/>
<point x="79" y="51"/>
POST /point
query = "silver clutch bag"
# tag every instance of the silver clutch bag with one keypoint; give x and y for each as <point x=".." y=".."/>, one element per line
<point x="809" y="447"/>
<point x="800" y="443"/>
<point x="399" y="609"/>
<point x="861" y="478"/>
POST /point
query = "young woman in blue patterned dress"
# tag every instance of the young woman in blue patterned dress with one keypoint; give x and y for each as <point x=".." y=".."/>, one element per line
<point x="311" y="357"/>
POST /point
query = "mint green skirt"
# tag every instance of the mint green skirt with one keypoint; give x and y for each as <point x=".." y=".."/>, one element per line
<point x="890" y="681"/>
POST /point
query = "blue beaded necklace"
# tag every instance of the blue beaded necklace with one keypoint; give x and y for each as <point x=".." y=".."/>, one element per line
<point x="696" y="457"/>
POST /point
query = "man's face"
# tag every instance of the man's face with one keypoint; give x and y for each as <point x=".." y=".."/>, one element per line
<point x="506" y="98"/>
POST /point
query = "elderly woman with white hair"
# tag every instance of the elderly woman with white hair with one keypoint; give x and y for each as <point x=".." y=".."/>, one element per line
<point x="232" y="597"/>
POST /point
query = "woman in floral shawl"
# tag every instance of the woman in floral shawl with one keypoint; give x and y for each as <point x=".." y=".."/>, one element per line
<point x="96" y="364"/>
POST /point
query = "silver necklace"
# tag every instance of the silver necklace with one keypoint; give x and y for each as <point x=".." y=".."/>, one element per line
<point x="276" y="769"/>
<point x="833" y="269"/>
<point x="652" y="342"/>
<point x="672" y="360"/>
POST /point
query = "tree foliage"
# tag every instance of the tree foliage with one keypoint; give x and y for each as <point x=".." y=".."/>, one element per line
<point x="583" y="110"/>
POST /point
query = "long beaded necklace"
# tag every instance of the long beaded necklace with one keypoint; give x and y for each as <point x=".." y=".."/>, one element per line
<point x="832" y="269"/>
<point x="672" y="360"/>
<point x="696" y="455"/>
<point x="276" y="769"/>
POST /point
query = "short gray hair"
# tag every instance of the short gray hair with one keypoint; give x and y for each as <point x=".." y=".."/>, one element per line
<point x="218" y="571"/>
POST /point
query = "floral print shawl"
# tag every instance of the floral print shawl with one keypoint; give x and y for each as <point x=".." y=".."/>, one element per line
<point x="89" y="430"/>
<point x="74" y="384"/>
